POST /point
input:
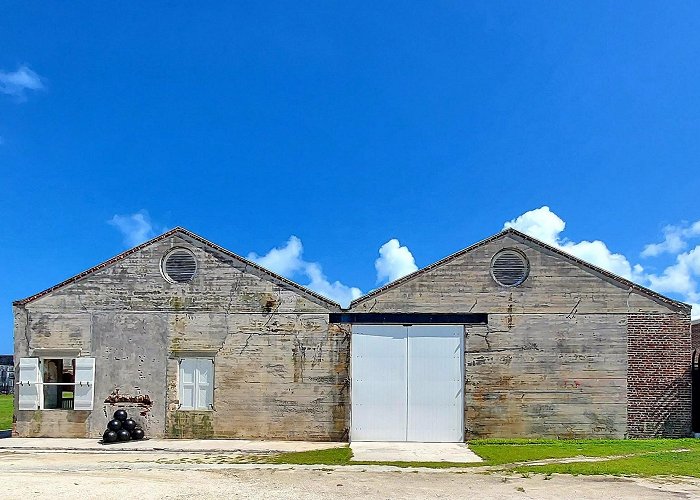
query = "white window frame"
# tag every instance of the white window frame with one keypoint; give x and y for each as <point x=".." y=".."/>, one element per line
<point x="40" y="383"/>
<point x="199" y="362"/>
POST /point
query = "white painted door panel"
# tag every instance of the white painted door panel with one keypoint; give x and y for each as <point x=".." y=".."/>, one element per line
<point x="378" y="383"/>
<point x="435" y="403"/>
<point x="407" y="383"/>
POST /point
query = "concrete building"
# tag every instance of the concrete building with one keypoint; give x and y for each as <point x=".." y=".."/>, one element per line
<point x="7" y="374"/>
<point x="507" y="338"/>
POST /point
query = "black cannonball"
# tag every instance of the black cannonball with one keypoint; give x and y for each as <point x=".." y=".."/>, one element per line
<point x="129" y="425"/>
<point x="123" y="435"/>
<point x="137" y="434"/>
<point x="109" y="436"/>
<point x="114" y="425"/>
<point x="120" y="415"/>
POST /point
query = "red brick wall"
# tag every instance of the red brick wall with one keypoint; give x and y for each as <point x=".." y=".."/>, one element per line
<point x="695" y="335"/>
<point x="658" y="375"/>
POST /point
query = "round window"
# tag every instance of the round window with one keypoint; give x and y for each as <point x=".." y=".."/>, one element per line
<point x="179" y="266"/>
<point x="509" y="268"/>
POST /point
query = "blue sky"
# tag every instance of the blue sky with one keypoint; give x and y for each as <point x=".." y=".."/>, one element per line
<point x="326" y="130"/>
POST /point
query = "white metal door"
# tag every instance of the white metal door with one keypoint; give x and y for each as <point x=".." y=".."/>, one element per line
<point x="407" y="383"/>
<point x="378" y="383"/>
<point x="435" y="387"/>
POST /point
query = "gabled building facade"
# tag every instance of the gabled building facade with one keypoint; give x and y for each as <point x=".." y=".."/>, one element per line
<point x="197" y="341"/>
<point x="507" y="338"/>
<point x="567" y="350"/>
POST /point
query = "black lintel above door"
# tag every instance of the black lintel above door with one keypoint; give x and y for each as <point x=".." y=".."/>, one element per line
<point x="410" y="318"/>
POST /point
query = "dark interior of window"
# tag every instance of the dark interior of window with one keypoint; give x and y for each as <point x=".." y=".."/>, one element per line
<point x="57" y="372"/>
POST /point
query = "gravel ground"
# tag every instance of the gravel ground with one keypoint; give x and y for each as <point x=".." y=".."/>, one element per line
<point x="144" y="475"/>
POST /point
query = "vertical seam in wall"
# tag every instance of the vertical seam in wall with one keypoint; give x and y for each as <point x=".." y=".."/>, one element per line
<point x="627" y="365"/>
<point x="166" y="399"/>
<point x="408" y="364"/>
<point x="463" y="371"/>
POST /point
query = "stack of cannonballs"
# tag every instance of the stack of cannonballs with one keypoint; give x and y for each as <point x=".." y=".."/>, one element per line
<point x="122" y="428"/>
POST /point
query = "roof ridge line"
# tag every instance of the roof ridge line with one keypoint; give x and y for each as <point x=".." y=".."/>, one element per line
<point x="257" y="266"/>
<point x="531" y="239"/>
<point x="96" y="268"/>
<point x="425" y="269"/>
<point x="167" y="234"/>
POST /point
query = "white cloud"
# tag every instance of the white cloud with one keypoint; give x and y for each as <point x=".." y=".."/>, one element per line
<point x="394" y="261"/>
<point x="136" y="228"/>
<point x="695" y="313"/>
<point x="680" y="277"/>
<point x="597" y="253"/>
<point x="547" y="226"/>
<point x="285" y="260"/>
<point x="17" y="83"/>
<point x="337" y="291"/>
<point x="675" y="240"/>
<point x="540" y="223"/>
<point x="288" y="262"/>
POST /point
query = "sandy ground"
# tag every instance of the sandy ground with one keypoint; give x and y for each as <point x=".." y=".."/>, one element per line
<point x="121" y="476"/>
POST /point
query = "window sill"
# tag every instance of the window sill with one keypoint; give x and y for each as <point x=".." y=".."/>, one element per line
<point x="56" y="409"/>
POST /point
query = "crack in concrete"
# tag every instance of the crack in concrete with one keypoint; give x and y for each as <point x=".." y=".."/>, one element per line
<point x="574" y="310"/>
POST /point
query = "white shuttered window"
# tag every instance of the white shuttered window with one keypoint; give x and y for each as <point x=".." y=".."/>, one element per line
<point x="56" y="383"/>
<point x="196" y="383"/>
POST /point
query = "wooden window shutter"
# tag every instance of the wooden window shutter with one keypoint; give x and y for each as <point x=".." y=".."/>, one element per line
<point x="30" y="391"/>
<point x="187" y="380"/>
<point x="205" y="384"/>
<point x="84" y="395"/>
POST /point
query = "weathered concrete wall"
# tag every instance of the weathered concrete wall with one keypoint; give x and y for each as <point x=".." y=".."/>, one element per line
<point x="280" y="377"/>
<point x="129" y="350"/>
<point x="546" y="376"/>
<point x="279" y="371"/>
<point x="552" y="362"/>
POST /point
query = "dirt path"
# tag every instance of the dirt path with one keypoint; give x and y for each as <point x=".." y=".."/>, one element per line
<point x="131" y="475"/>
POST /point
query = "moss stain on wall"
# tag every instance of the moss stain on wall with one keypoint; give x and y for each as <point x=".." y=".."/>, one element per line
<point x="191" y="425"/>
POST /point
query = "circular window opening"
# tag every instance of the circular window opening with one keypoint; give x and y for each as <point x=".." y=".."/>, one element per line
<point x="509" y="268"/>
<point x="179" y="266"/>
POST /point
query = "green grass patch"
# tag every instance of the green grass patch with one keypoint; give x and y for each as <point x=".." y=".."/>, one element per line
<point x="331" y="456"/>
<point x="653" y="464"/>
<point x="647" y="457"/>
<point x="6" y="411"/>
<point x="497" y="452"/>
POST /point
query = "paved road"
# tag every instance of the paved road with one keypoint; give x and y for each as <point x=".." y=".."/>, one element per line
<point x="35" y="474"/>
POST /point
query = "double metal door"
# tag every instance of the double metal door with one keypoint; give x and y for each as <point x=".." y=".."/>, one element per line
<point x="407" y="383"/>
